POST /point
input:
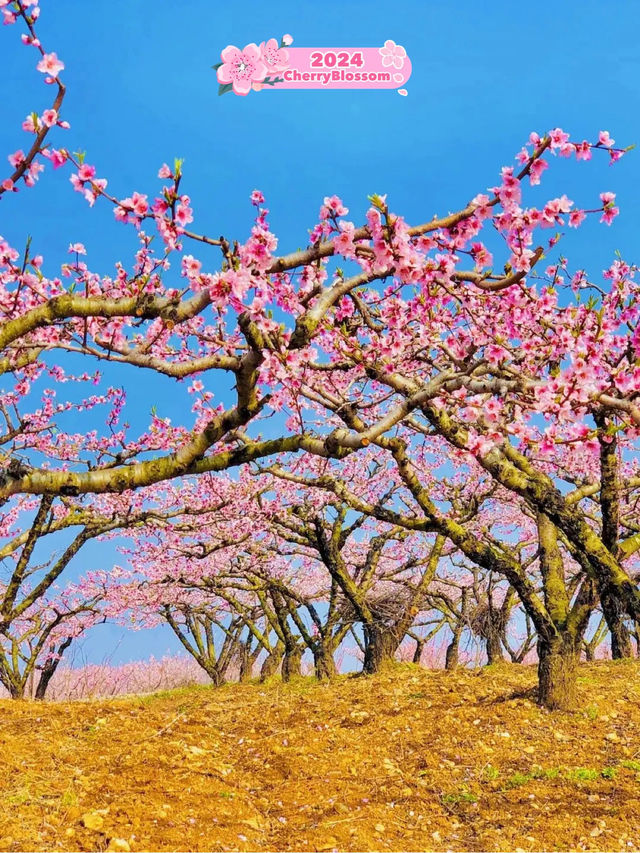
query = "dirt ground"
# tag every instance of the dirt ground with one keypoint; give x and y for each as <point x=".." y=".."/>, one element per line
<point x="407" y="760"/>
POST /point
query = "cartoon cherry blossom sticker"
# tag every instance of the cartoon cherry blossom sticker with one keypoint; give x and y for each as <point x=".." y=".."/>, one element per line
<point x="253" y="67"/>
<point x="241" y="68"/>
<point x="275" y="57"/>
<point x="392" y="54"/>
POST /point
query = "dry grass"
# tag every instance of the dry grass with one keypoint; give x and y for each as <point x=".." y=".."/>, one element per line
<point x="408" y="760"/>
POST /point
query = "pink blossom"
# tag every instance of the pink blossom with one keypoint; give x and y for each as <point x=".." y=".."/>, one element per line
<point x="495" y="354"/>
<point x="546" y="446"/>
<point x="165" y="172"/>
<point x="610" y="211"/>
<point x="392" y="54"/>
<point x="481" y="256"/>
<point x="229" y="286"/>
<point x="86" y="172"/>
<point x="537" y="168"/>
<point x="49" y="117"/>
<point x="16" y="159"/>
<point x="346" y="308"/>
<point x="318" y="232"/>
<point x="56" y="156"/>
<point x="139" y="204"/>
<point x="343" y="243"/>
<point x="492" y="409"/>
<point x="333" y="206"/>
<point x="605" y="139"/>
<point x="275" y="58"/>
<point x="191" y="266"/>
<point x="77" y="248"/>
<point x="50" y="64"/>
<point x="287" y="39"/>
<point x="558" y="137"/>
<point x="97" y="186"/>
<point x="33" y="173"/>
<point x="609" y="214"/>
<point x="583" y="151"/>
<point x="510" y="192"/>
<point x="521" y="261"/>
<point x="576" y="218"/>
<point x="184" y="214"/>
<point x="257" y="198"/>
<point x="242" y="67"/>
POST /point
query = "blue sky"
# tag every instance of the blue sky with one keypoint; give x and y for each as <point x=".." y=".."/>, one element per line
<point x="141" y="92"/>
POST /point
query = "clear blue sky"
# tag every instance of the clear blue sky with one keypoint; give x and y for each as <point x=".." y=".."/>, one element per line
<point x="141" y="91"/>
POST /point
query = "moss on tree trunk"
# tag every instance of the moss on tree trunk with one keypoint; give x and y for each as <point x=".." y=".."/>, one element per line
<point x="291" y="663"/>
<point x="380" y="647"/>
<point x="557" y="673"/>
<point x="324" y="664"/>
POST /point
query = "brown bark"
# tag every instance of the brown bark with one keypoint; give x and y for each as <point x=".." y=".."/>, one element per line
<point x="244" y="673"/>
<point x="291" y="663"/>
<point x="324" y="663"/>
<point x="494" y="647"/>
<point x="557" y="672"/>
<point x="453" y="649"/>
<point x="380" y="646"/>
<point x="49" y="669"/>
<point x="615" y="612"/>
<point x="612" y="605"/>
<point x="417" y="655"/>
<point x="271" y="662"/>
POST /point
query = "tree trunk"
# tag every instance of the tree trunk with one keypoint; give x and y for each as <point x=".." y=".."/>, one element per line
<point x="246" y="664"/>
<point x="324" y="663"/>
<point x="50" y="667"/>
<point x="636" y="637"/>
<point x="615" y="612"/>
<point x="16" y="691"/>
<point x="452" y="656"/>
<point x="557" y="672"/>
<point x="380" y="646"/>
<point x="494" y="647"/>
<point x="43" y="682"/>
<point x="291" y="663"/>
<point x="216" y="676"/>
<point x="271" y="663"/>
<point x="417" y="655"/>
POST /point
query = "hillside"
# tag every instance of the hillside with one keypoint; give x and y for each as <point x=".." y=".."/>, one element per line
<point x="408" y="760"/>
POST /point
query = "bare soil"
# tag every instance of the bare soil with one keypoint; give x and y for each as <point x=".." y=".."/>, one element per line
<point x="406" y="760"/>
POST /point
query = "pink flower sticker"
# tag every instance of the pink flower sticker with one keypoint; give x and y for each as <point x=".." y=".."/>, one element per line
<point x="242" y="68"/>
<point x="392" y="54"/>
<point x="276" y="58"/>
